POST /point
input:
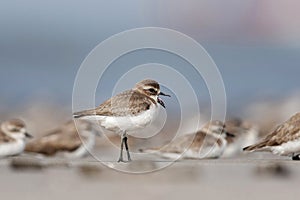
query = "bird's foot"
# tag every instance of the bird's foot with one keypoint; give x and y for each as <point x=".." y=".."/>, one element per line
<point x="124" y="161"/>
<point x="121" y="160"/>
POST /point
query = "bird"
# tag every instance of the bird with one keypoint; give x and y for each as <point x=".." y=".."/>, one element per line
<point x="245" y="134"/>
<point x="70" y="140"/>
<point x="130" y="110"/>
<point x="284" y="140"/>
<point x="12" y="137"/>
<point x="209" y="142"/>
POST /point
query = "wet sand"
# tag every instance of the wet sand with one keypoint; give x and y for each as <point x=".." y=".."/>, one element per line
<point x="252" y="176"/>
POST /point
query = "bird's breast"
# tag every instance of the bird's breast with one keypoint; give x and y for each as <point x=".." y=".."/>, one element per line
<point x="12" y="148"/>
<point x="130" y="122"/>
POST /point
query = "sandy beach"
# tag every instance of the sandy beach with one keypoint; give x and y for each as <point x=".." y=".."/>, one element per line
<point x="250" y="176"/>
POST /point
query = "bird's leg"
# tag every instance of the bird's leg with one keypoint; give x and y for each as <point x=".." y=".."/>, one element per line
<point x="127" y="149"/>
<point x="121" y="151"/>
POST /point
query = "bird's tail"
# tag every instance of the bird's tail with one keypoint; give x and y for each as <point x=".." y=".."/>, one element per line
<point x="84" y="113"/>
<point x="255" y="147"/>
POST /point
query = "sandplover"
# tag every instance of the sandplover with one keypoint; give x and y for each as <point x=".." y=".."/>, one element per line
<point x="284" y="140"/>
<point x="130" y="110"/>
<point x="68" y="140"/>
<point x="209" y="142"/>
<point x="245" y="134"/>
<point x="12" y="137"/>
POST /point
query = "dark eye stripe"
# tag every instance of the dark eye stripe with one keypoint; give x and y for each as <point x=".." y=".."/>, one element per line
<point x="152" y="90"/>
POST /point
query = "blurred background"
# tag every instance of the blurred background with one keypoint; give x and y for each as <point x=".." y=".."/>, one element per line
<point x="254" y="43"/>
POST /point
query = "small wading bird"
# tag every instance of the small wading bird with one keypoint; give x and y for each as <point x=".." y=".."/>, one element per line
<point x="130" y="110"/>
<point x="209" y="142"/>
<point x="284" y="140"/>
<point x="68" y="140"/>
<point x="12" y="137"/>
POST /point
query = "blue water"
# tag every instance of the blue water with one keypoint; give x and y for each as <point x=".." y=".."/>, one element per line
<point x="43" y="44"/>
<point x="248" y="73"/>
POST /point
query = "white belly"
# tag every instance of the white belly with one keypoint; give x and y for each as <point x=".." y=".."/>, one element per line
<point x="205" y="152"/>
<point x="211" y="152"/>
<point x="12" y="148"/>
<point x="287" y="148"/>
<point x="214" y="151"/>
<point x="128" y="123"/>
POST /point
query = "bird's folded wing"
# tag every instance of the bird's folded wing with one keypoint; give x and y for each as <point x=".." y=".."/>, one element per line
<point x="126" y="103"/>
<point x="179" y="144"/>
<point x="54" y="142"/>
<point x="4" y="138"/>
<point x="284" y="133"/>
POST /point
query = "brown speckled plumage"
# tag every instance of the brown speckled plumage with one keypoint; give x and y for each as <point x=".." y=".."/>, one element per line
<point x="194" y="141"/>
<point x="288" y="131"/>
<point x="130" y="102"/>
<point x="64" y="138"/>
<point x="14" y="125"/>
<point x="190" y="141"/>
<point x="5" y="138"/>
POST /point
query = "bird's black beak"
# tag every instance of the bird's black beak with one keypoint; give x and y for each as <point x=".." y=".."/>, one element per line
<point x="163" y="94"/>
<point x="160" y="101"/>
<point x="229" y="134"/>
<point x="28" y="135"/>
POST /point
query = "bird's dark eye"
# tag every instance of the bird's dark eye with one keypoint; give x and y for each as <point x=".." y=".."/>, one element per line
<point x="14" y="130"/>
<point x="151" y="90"/>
